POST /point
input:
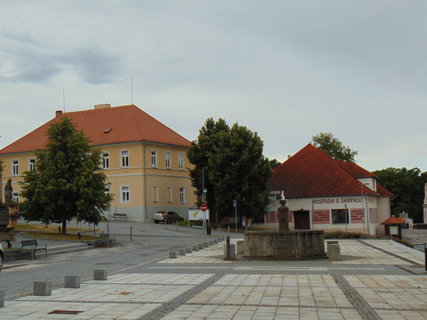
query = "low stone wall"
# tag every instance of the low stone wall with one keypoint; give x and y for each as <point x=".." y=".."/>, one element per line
<point x="285" y="245"/>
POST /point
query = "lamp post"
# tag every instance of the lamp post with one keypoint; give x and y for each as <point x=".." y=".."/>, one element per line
<point x="204" y="197"/>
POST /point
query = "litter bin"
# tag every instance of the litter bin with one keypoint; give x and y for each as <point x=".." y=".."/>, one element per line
<point x="208" y="229"/>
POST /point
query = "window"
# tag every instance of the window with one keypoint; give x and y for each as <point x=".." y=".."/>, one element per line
<point x="155" y="193"/>
<point x="340" y="216"/>
<point x="182" y="195"/>
<point x="125" y="159"/>
<point x="106" y="160"/>
<point x="181" y="160"/>
<point x="168" y="159"/>
<point x="107" y="189"/>
<point x="15" y="167"/>
<point x="125" y="194"/>
<point x="32" y="164"/>
<point x="154" y="158"/>
<point x="15" y="197"/>
<point x="169" y="194"/>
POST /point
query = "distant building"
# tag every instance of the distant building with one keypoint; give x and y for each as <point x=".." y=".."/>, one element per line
<point x="144" y="160"/>
<point x="329" y="194"/>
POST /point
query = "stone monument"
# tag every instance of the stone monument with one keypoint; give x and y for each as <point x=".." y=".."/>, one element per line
<point x="284" y="244"/>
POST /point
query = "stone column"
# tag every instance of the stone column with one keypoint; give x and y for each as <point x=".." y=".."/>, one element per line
<point x="283" y="216"/>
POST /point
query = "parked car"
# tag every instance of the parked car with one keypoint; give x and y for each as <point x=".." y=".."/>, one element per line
<point x="1" y="256"/>
<point x="167" y="217"/>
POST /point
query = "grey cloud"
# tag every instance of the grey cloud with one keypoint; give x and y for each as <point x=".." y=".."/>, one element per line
<point x="96" y="66"/>
<point x="36" y="66"/>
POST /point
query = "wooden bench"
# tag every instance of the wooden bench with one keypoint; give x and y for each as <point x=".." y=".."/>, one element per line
<point x="119" y="217"/>
<point x="32" y="244"/>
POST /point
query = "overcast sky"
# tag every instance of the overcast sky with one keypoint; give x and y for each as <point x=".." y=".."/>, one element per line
<point x="285" y="69"/>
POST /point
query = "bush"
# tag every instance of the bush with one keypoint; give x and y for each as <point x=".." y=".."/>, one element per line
<point x="346" y="235"/>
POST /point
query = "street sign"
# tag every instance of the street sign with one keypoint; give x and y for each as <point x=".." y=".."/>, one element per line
<point x="203" y="207"/>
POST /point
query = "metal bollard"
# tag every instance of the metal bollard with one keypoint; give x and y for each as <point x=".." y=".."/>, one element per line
<point x="227" y="249"/>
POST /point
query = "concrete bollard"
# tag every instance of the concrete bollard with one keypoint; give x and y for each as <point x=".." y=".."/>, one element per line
<point x="42" y="288"/>
<point x="172" y="255"/>
<point x="195" y="248"/>
<point x="334" y="252"/>
<point x="181" y="252"/>
<point x="240" y="246"/>
<point x="200" y="246"/>
<point x="1" y="298"/>
<point x="211" y="243"/>
<point x="187" y="250"/>
<point x="205" y="244"/>
<point x="72" y="282"/>
<point x="100" y="274"/>
<point x="229" y="251"/>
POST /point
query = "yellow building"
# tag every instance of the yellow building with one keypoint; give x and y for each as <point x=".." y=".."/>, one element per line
<point x="144" y="160"/>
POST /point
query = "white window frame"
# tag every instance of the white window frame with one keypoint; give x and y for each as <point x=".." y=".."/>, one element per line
<point x="107" y="189"/>
<point x="15" y="196"/>
<point x="15" y="167"/>
<point x="124" y="159"/>
<point x="155" y="193"/>
<point x="32" y="164"/>
<point x="106" y="160"/>
<point x="154" y="158"/>
<point x="168" y="156"/>
<point x="169" y="194"/>
<point x="180" y="160"/>
<point x="182" y="195"/>
<point x="125" y="194"/>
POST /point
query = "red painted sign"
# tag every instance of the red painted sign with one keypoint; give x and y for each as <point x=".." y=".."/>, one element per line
<point x="203" y="207"/>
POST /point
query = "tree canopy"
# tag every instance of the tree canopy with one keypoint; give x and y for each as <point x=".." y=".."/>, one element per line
<point x="333" y="147"/>
<point x="407" y="186"/>
<point x="230" y="164"/>
<point x="67" y="181"/>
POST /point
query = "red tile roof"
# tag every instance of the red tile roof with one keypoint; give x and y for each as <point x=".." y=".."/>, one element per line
<point x="312" y="173"/>
<point x="105" y="126"/>
<point x="394" y="220"/>
<point x="354" y="170"/>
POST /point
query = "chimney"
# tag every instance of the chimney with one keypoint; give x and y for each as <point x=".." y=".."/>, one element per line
<point x="58" y="113"/>
<point x="102" y="106"/>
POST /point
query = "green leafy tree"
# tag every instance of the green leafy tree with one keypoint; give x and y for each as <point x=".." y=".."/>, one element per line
<point x="67" y="182"/>
<point x="274" y="163"/>
<point x="333" y="147"/>
<point x="230" y="163"/>
<point x="408" y="190"/>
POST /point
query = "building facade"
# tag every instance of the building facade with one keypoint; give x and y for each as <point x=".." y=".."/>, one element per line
<point x="145" y="161"/>
<point x="328" y="194"/>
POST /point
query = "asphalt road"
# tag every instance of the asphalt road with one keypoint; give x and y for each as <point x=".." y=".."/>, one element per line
<point x="148" y="243"/>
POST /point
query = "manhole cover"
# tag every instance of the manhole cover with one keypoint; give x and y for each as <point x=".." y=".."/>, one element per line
<point x="125" y="293"/>
<point x="65" y="312"/>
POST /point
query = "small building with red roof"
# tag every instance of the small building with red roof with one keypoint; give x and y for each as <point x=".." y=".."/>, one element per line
<point x="328" y="194"/>
<point x="143" y="159"/>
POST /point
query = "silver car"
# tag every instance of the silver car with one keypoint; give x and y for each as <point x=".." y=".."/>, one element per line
<point x="167" y="217"/>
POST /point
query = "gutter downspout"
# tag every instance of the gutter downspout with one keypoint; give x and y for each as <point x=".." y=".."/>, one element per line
<point x="145" y="184"/>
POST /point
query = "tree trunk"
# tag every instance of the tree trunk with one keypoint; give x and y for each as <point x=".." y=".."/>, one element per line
<point x="64" y="227"/>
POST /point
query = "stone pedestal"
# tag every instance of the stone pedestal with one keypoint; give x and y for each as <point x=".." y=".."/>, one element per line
<point x="285" y="245"/>
<point x="334" y="251"/>
<point x="100" y="274"/>
<point x="72" y="282"/>
<point x="42" y="288"/>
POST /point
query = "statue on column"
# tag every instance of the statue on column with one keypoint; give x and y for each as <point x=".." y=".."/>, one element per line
<point x="283" y="214"/>
<point x="8" y="193"/>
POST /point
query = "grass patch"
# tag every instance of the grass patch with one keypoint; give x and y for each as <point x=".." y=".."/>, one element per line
<point x="60" y="237"/>
<point x="48" y="228"/>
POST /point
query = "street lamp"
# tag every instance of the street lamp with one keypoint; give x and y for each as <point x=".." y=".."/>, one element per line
<point x="203" y="186"/>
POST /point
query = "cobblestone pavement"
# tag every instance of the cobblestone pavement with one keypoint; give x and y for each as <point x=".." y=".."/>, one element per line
<point x="376" y="279"/>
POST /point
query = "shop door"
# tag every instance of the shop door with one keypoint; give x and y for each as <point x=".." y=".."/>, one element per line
<point x="302" y="219"/>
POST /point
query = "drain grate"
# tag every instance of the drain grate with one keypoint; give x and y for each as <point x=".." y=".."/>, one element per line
<point x="65" y="312"/>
